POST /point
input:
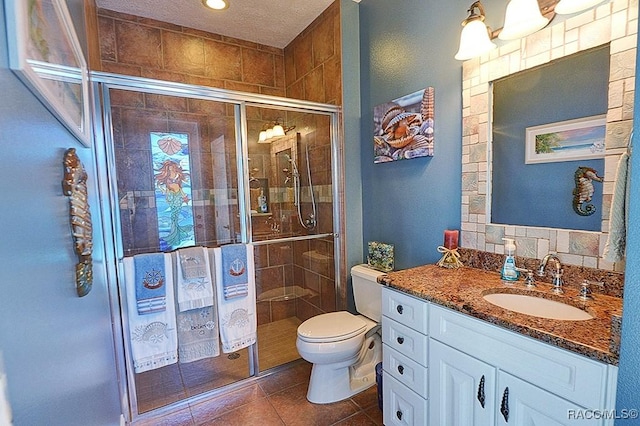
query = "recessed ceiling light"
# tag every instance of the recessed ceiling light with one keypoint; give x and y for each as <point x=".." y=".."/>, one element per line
<point x="216" y="4"/>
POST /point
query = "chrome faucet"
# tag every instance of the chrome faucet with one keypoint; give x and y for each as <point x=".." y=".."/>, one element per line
<point x="557" y="274"/>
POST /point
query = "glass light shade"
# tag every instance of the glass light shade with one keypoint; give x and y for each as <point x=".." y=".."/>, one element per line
<point x="566" y="7"/>
<point x="278" y="130"/>
<point x="474" y="40"/>
<point x="216" y="4"/>
<point x="522" y="18"/>
<point x="263" y="136"/>
<point x="269" y="133"/>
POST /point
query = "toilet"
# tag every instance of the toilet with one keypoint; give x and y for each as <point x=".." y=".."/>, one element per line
<point x="344" y="348"/>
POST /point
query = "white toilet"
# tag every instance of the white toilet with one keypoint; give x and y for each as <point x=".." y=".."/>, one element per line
<point x="344" y="348"/>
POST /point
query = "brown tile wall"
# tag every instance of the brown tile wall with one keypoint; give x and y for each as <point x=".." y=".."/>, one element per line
<point x="143" y="47"/>
<point x="313" y="66"/>
<point x="309" y="69"/>
<point x="313" y="72"/>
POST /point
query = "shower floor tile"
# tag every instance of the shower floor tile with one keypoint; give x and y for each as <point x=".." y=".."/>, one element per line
<point x="278" y="398"/>
<point x="176" y="382"/>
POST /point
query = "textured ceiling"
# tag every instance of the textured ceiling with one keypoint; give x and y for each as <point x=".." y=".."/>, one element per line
<point x="271" y="22"/>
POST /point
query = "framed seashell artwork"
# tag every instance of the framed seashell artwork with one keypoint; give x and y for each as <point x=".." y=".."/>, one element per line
<point x="403" y="128"/>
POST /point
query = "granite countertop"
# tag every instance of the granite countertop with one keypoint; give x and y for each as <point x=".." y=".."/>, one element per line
<point x="462" y="290"/>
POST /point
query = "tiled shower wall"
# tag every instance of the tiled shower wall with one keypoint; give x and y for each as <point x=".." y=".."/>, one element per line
<point x="309" y="69"/>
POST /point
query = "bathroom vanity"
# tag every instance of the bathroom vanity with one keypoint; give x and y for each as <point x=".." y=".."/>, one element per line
<point x="452" y="358"/>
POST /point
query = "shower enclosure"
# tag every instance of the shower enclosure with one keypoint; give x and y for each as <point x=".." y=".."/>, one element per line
<point x="186" y="165"/>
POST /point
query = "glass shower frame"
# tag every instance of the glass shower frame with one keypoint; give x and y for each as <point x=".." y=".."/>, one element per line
<point x="104" y="153"/>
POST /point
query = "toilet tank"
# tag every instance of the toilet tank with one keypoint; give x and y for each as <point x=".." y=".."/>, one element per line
<point x="367" y="293"/>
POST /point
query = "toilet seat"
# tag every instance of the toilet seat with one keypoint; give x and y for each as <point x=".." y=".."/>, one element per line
<point x="331" y="327"/>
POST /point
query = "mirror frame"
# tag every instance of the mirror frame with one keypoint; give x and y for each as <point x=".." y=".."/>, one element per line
<point x="614" y="22"/>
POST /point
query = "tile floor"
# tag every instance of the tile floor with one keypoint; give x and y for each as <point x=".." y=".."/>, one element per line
<point x="278" y="398"/>
<point x="176" y="382"/>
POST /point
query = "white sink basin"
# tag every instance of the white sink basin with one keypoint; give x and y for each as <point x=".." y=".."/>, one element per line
<point x="537" y="307"/>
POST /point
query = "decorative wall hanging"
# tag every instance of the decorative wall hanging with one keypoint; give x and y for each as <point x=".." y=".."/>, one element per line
<point x="403" y="128"/>
<point x="569" y="140"/>
<point x="74" y="185"/>
<point x="584" y="177"/>
<point x="174" y="206"/>
<point x="45" y="54"/>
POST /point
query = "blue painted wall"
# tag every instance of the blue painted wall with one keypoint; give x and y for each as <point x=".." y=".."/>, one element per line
<point x="629" y="369"/>
<point x="407" y="46"/>
<point x="542" y="194"/>
<point x="57" y="348"/>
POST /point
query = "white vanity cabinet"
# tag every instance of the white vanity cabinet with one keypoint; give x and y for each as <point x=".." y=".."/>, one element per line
<point x="462" y="388"/>
<point x="405" y="352"/>
<point x="476" y="373"/>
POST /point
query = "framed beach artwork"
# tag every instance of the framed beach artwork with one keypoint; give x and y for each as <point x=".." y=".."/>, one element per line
<point x="403" y="127"/>
<point x="569" y="140"/>
<point x="45" y="54"/>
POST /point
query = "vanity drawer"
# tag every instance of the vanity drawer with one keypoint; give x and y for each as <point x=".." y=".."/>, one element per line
<point x="402" y="406"/>
<point x="568" y="375"/>
<point x="405" y="370"/>
<point x="406" y="309"/>
<point x="405" y="340"/>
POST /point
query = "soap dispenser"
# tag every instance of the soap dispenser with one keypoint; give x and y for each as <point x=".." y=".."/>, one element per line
<point x="509" y="271"/>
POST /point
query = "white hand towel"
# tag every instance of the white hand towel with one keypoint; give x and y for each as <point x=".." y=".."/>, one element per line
<point x="193" y="290"/>
<point x="237" y="316"/>
<point x="153" y="337"/>
<point x="198" y="336"/>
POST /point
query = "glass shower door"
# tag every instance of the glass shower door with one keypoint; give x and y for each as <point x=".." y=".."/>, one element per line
<point x="292" y="223"/>
<point x="177" y="186"/>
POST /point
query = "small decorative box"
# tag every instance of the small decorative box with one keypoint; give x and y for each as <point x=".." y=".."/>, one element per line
<point x="380" y="256"/>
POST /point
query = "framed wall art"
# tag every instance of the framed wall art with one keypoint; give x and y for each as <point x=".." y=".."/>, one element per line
<point x="45" y="54"/>
<point x="403" y="128"/>
<point x="578" y="139"/>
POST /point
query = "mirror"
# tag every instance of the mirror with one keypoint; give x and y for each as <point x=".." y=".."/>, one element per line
<point x="614" y="25"/>
<point x="540" y="192"/>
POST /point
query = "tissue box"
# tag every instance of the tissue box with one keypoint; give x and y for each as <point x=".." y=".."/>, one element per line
<point x="380" y="256"/>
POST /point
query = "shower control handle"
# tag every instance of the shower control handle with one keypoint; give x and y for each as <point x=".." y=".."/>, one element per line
<point x="400" y="309"/>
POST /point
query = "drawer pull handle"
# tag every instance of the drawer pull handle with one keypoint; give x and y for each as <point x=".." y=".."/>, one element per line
<point x="504" y="407"/>
<point x="481" y="396"/>
<point x="400" y="340"/>
<point x="400" y="369"/>
<point x="400" y="309"/>
<point x="399" y="414"/>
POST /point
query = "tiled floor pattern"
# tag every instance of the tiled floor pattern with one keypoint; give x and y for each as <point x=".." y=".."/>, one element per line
<point x="277" y="343"/>
<point x="173" y="383"/>
<point x="276" y="399"/>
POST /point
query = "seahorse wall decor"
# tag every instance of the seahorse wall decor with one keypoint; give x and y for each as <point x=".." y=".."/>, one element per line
<point x="583" y="192"/>
<point x="74" y="185"/>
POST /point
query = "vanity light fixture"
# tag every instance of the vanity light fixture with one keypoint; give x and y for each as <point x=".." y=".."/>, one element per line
<point x="276" y="131"/>
<point x="566" y="7"/>
<point x="474" y="38"/>
<point x="523" y="17"/>
<point x="216" y="4"/>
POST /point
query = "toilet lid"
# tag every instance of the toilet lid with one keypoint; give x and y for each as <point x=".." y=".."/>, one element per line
<point x="331" y="327"/>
